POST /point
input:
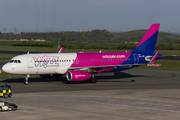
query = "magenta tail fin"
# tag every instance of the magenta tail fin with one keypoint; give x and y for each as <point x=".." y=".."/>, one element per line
<point x="148" y="42"/>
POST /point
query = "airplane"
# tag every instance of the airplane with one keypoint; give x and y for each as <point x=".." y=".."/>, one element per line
<point x="83" y="66"/>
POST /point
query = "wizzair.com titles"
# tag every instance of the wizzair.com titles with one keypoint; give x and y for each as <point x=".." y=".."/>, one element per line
<point x="113" y="56"/>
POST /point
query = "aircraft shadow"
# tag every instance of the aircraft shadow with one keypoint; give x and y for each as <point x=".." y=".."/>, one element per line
<point x="117" y="75"/>
<point x="21" y="80"/>
<point x="100" y="78"/>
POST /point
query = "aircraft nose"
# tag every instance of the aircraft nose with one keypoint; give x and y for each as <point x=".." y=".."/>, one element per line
<point x="6" y="68"/>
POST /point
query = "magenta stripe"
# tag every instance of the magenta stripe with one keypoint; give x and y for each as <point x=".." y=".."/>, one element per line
<point x="100" y="59"/>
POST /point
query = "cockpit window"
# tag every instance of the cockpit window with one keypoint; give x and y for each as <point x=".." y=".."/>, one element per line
<point x="14" y="61"/>
<point x="11" y="61"/>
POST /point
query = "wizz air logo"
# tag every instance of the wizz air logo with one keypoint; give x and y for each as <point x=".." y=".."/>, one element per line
<point x="46" y="61"/>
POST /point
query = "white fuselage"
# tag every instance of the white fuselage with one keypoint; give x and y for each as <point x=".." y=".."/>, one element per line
<point x="40" y="63"/>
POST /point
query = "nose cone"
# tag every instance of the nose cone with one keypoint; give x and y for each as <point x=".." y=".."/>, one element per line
<point x="6" y="68"/>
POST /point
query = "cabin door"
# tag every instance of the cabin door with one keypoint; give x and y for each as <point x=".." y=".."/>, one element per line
<point x="30" y="62"/>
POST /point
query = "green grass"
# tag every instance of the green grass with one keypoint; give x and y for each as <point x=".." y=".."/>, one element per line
<point x="76" y="43"/>
<point x="42" y="49"/>
<point x="7" y="55"/>
<point x="169" y="52"/>
<point x="165" y="65"/>
<point x="30" y="49"/>
<point x="6" y="42"/>
<point x="6" y="75"/>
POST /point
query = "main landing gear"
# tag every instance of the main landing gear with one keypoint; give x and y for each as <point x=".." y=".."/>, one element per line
<point x="92" y="79"/>
<point x="26" y="82"/>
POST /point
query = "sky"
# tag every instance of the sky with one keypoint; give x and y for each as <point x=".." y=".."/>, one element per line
<point x="87" y="15"/>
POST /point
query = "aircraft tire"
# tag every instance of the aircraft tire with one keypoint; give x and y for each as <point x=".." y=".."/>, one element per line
<point x="26" y="82"/>
<point x="93" y="80"/>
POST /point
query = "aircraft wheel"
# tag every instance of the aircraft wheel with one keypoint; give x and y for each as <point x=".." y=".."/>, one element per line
<point x="26" y="82"/>
<point x="93" y="80"/>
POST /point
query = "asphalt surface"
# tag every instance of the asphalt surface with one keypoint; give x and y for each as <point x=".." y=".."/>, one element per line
<point x="154" y="96"/>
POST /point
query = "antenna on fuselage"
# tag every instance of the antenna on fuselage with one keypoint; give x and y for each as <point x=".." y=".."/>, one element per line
<point x="28" y="52"/>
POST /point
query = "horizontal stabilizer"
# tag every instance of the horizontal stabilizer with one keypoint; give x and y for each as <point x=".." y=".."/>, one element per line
<point x="154" y="58"/>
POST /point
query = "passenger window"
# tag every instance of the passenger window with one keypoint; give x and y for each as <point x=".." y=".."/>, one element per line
<point x="19" y="61"/>
<point x="15" y="61"/>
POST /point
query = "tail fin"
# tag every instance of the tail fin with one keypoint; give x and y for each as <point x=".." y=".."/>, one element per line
<point x="148" y="42"/>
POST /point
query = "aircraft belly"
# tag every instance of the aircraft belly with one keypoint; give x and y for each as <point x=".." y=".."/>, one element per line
<point x="41" y="70"/>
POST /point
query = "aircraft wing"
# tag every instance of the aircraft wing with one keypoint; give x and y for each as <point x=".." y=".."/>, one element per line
<point x="103" y="67"/>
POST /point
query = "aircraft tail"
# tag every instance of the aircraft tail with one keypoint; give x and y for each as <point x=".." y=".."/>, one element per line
<point x="148" y="42"/>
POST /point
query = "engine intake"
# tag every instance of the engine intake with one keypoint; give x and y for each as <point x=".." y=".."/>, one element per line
<point x="78" y="75"/>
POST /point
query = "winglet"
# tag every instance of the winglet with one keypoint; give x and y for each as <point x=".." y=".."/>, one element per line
<point x="60" y="51"/>
<point x="154" y="58"/>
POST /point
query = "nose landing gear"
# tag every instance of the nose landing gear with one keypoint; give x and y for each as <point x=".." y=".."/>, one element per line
<point x="26" y="82"/>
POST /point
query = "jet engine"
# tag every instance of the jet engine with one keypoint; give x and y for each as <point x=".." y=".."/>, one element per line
<point x="78" y="75"/>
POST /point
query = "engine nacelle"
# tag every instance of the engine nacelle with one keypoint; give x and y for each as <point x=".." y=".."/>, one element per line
<point x="78" y="75"/>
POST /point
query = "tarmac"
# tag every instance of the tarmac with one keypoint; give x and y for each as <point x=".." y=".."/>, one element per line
<point x="153" y="96"/>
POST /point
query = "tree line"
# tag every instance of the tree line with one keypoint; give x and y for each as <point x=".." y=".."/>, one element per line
<point x="94" y="35"/>
<point x="123" y="45"/>
<point x="33" y="44"/>
<point x="165" y="41"/>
